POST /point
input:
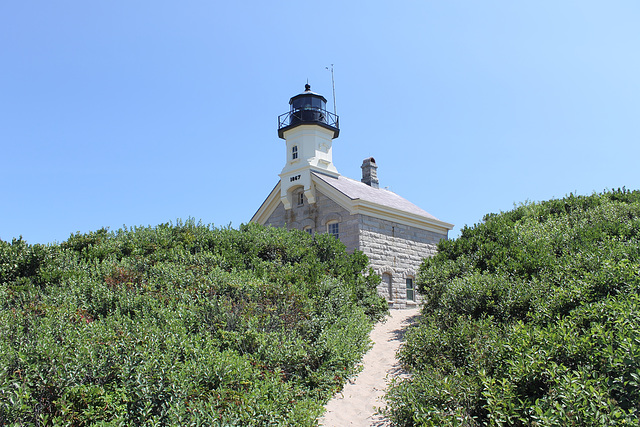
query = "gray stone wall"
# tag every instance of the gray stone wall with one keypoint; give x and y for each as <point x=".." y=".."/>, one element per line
<point x="316" y="217"/>
<point x="397" y="250"/>
<point x="392" y="248"/>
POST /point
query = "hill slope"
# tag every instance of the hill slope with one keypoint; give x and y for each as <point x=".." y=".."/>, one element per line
<point x="531" y="317"/>
<point x="180" y="325"/>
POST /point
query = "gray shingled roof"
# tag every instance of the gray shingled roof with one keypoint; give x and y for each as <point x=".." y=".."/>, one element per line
<point x="358" y="190"/>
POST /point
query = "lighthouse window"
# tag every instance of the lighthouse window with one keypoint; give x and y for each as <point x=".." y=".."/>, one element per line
<point x="308" y="102"/>
<point x="300" y="199"/>
<point x="298" y="103"/>
<point x="294" y="152"/>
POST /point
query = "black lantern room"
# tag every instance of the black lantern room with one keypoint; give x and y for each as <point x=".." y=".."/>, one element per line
<point x="308" y="108"/>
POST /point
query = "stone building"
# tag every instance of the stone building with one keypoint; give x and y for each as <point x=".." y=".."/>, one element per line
<point x="312" y="196"/>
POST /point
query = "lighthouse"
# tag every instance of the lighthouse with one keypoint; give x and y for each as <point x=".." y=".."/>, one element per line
<point x="308" y="130"/>
<point x="311" y="196"/>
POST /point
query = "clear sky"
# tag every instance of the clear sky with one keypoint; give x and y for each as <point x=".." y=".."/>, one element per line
<point x="141" y="112"/>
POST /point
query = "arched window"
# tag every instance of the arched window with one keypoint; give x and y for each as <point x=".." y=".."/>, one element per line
<point x="388" y="281"/>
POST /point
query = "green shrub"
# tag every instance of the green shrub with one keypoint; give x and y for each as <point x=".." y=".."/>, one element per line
<point x="531" y="317"/>
<point x="180" y="325"/>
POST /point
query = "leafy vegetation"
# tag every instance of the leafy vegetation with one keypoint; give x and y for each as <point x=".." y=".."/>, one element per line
<point x="180" y="325"/>
<point x="531" y="318"/>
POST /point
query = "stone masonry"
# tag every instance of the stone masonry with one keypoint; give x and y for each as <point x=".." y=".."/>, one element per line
<point x="395" y="251"/>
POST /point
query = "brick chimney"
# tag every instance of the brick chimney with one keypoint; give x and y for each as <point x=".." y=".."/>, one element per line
<point x="370" y="172"/>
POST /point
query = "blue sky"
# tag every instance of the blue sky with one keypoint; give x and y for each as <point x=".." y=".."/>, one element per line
<point x="142" y="112"/>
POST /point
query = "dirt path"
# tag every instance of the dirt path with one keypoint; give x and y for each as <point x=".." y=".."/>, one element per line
<point x="356" y="405"/>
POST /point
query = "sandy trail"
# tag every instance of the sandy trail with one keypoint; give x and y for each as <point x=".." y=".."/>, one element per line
<point x="356" y="404"/>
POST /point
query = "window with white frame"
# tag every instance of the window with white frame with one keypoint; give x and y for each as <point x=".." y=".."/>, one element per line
<point x="334" y="229"/>
<point x="300" y="198"/>
<point x="411" y="292"/>
<point x="294" y="152"/>
<point x="309" y="229"/>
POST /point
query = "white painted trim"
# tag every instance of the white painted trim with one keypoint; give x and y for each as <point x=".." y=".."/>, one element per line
<point x="401" y="217"/>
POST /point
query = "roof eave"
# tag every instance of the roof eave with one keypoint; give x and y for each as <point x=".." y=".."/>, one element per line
<point x="366" y="207"/>
<point x="360" y="206"/>
<point x="269" y="205"/>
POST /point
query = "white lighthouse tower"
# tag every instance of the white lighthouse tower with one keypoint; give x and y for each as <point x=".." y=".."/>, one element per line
<point x="309" y="130"/>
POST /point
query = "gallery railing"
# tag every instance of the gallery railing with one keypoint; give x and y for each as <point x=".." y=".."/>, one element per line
<point x="308" y="115"/>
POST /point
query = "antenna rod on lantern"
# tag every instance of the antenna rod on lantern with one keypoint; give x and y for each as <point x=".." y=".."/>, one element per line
<point x="333" y="85"/>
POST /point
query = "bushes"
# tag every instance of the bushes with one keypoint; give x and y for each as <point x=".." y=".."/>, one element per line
<point x="530" y="318"/>
<point x="179" y="325"/>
